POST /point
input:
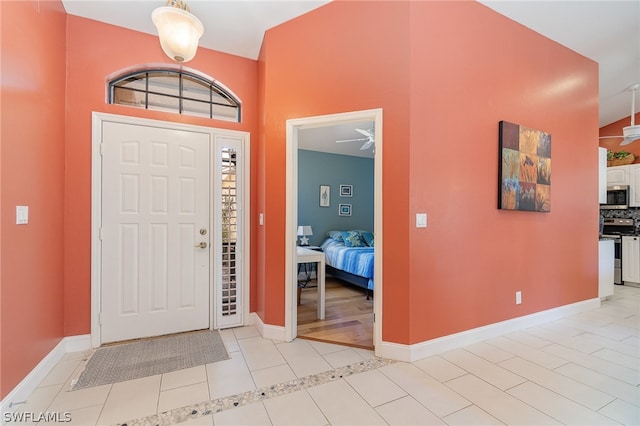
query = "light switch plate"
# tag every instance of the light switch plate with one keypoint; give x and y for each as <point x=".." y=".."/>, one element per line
<point x="22" y="215"/>
<point x="421" y="220"/>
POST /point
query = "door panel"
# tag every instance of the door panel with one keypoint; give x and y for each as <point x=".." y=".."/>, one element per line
<point x="155" y="199"/>
<point x="159" y="246"/>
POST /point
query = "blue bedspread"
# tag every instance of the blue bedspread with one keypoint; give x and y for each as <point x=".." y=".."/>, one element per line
<point x="355" y="260"/>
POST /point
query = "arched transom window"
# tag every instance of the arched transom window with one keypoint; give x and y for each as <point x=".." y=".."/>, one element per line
<point x="175" y="91"/>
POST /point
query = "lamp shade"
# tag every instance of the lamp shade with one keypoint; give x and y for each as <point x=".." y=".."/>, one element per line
<point x="305" y="230"/>
<point x="179" y="32"/>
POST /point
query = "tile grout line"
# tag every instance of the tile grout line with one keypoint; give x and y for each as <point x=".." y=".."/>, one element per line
<point x="206" y="408"/>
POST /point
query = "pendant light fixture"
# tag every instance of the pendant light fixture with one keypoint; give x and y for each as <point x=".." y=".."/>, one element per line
<point x="178" y="29"/>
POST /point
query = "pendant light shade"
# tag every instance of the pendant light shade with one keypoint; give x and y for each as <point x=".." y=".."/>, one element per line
<point x="179" y="30"/>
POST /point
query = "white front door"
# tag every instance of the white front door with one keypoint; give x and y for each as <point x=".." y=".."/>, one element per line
<point x="155" y="266"/>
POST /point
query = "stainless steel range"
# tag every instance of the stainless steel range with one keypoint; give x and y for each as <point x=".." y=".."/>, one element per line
<point x="615" y="229"/>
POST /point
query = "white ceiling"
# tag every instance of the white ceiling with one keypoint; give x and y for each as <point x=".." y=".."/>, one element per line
<point x="230" y="26"/>
<point x="606" y="31"/>
<point x="323" y="139"/>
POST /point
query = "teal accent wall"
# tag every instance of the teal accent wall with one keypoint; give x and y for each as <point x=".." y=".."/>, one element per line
<point x="320" y="168"/>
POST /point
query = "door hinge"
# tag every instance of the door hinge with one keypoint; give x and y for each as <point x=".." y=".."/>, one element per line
<point x="101" y="148"/>
<point x="100" y="318"/>
<point x="100" y="233"/>
<point x="374" y="317"/>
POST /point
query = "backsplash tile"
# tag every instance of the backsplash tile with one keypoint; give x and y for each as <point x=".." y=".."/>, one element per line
<point x="630" y="213"/>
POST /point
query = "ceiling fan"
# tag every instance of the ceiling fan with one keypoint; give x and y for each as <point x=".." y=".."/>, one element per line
<point x="369" y="138"/>
<point x="629" y="133"/>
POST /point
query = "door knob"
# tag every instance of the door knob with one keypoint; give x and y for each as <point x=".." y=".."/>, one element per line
<point x="202" y="245"/>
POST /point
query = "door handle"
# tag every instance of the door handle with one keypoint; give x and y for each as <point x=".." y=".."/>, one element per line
<point x="202" y="245"/>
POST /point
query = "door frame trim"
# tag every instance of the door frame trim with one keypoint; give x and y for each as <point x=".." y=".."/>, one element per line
<point x="291" y="212"/>
<point x="98" y="118"/>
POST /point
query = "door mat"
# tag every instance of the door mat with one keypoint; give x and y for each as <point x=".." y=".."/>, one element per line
<point x="127" y="361"/>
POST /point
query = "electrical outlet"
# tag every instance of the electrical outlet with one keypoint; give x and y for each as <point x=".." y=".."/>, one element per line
<point x="518" y="297"/>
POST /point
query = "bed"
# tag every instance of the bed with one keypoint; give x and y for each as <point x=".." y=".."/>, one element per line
<point x="351" y="264"/>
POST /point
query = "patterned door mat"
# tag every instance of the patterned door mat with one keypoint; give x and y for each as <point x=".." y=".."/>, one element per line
<point x="127" y="361"/>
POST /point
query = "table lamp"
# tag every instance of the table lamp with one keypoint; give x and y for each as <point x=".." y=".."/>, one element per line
<point x="303" y="231"/>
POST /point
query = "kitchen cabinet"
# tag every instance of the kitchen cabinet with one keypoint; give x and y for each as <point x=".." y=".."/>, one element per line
<point x="631" y="259"/>
<point x="618" y="175"/>
<point x="606" y="254"/>
<point x="634" y="185"/>
<point x="626" y="175"/>
<point x="602" y="175"/>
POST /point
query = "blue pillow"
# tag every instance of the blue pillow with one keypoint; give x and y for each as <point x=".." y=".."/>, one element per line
<point x="368" y="238"/>
<point x="353" y="239"/>
<point x="336" y="235"/>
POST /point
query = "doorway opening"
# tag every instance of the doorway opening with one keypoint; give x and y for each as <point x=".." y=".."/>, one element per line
<point x="344" y="211"/>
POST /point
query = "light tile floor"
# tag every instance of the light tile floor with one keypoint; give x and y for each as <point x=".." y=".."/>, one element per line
<point x="582" y="370"/>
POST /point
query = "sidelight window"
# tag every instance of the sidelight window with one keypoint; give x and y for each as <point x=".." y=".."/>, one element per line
<point x="230" y="241"/>
<point x="229" y="215"/>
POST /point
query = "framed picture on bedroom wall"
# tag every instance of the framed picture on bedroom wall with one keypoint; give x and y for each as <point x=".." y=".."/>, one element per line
<point x="325" y="195"/>
<point x="344" y="210"/>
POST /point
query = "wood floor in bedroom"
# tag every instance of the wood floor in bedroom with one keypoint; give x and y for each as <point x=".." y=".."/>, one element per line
<point x="348" y="315"/>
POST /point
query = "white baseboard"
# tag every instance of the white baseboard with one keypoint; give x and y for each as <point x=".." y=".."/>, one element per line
<point x="77" y="343"/>
<point x="273" y="332"/>
<point x="44" y="367"/>
<point x="439" y="345"/>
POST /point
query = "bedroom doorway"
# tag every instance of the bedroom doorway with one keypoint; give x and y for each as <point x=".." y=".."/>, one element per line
<point x="338" y="133"/>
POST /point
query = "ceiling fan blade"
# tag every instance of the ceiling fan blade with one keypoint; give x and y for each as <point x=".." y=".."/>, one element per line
<point x="610" y="137"/>
<point x="367" y="144"/>
<point x="365" y="132"/>
<point x="627" y="141"/>
<point x="352" y="140"/>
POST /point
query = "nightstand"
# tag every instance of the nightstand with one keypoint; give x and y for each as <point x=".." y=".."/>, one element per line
<point x="304" y="256"/>
<point x="308" y="268"/>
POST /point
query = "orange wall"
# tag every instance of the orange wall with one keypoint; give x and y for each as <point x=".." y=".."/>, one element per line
<point x="445" y="74"/>
<point x="94" y="51"/>
<point x="2" y="391"/>
<point x="258" y="234"/>
<point x="471" y="68"/>
<point x="32" y="165"/>
<point x="615" y="129"/>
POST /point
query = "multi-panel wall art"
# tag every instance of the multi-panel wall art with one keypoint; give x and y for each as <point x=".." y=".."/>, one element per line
<point x="525" y="169"/>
